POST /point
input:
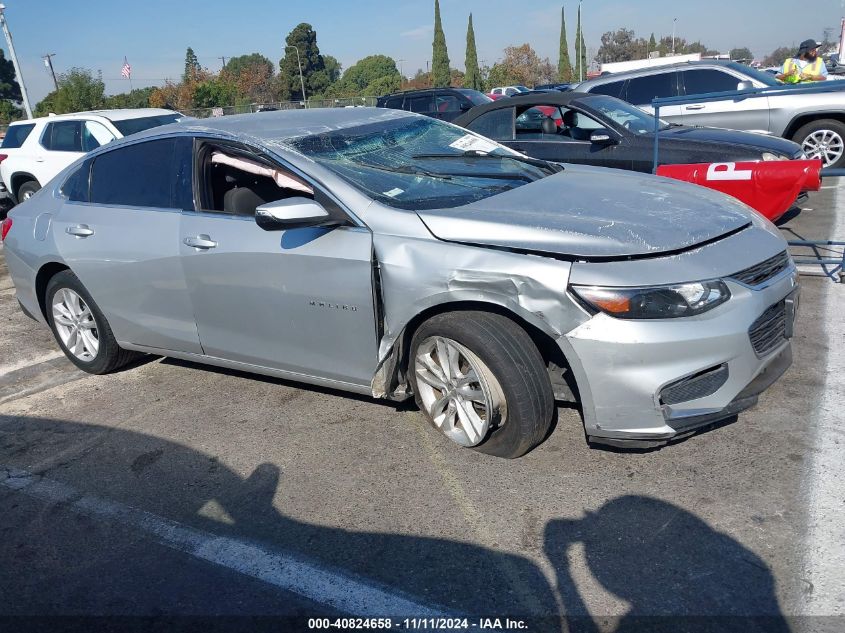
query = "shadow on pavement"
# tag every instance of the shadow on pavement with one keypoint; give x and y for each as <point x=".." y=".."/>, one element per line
<point x="659" y="558"/>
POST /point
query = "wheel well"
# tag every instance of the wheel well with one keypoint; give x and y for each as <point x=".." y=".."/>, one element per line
<point x="799" y="121"/>
<point x="561" y="375"/>
<point x="18" y="180"/>
<point x="45" y="274"/>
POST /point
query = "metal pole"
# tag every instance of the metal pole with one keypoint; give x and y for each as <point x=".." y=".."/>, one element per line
<point x="656" y="136"/>
<point x="301" y="80"/>
<point x="223" y="59"/>
<point x="15" y="60"/>
<point x="674" y="21"/>
<point x="48" y="61"/>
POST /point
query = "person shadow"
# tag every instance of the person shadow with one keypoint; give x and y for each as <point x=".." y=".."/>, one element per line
<point x="676" y="572"/>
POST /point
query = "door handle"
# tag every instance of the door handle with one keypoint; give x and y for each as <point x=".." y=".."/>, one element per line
<point x="201" y="242"/>
<point x="80" y="230"/>
<point x="39" y="159"/>
<point x="694" y="107"/>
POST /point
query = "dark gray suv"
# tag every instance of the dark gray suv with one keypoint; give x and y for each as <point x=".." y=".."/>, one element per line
<point x="440" y="103"/>
<point x="815" y="121"/>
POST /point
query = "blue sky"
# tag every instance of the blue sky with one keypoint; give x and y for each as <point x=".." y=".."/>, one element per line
<point x="153" y="34"/>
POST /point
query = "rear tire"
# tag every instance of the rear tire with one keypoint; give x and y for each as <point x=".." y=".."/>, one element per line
<point x="499" y="385"/>
<point x="80" y="327"/>
<point x="27" y="190"/>
<point x="824" y="139"/>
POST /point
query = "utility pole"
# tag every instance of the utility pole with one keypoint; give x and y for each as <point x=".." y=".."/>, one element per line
<point x="401" y="73"/>
<point x="223" y="59"/>
<point x="301" y="80"/>
<point x="48" y="62"/>
<point x="14" y="57"/>
<point x="674" y="21"/>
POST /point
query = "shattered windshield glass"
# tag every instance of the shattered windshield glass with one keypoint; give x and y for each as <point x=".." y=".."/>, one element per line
<point x="420" y="163"/>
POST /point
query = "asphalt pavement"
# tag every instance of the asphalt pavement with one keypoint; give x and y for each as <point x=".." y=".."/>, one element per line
<point x="170" y="489"/>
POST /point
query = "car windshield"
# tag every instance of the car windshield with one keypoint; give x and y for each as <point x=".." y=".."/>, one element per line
<point x="752" y="73"/>
<point x="476" y="97"/>
<point x="419" y="163"/>
<point x="133" y="126"/>
<point x="623" y="114"/>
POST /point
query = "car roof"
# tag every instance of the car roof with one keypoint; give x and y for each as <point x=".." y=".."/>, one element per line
<point x="655" y="69"/>
<point x="281" y="124"/>
<point x="112" y="115"/>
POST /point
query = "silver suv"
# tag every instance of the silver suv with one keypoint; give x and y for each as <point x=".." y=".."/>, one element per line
<point x="815" y="121"/>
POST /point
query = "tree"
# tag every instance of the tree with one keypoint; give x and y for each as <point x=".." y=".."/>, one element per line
<point x="78" y="91"/>
<point x="317" y="79"/>
<point x="333" y="68"/>
<point x="742" y="55"/>
<point x="192" y="66"/>
<point x="251" y="75"/>
<point x="520" y="65"/>
<point x="778" y="56"/>
<point x="9" y="112"/>
<point x="621" y="46"/>
<point x="652" y="45"/>
<point x="373" y="75"/>
<point x="214" y="92"/>
<point x="472" y="78"/>
<point x="580" y="51"/>
<point x="9" y="88"/>
<point x="564" y="64"/>
<point x="138" y="98"/>
<point x="439" y="56"/>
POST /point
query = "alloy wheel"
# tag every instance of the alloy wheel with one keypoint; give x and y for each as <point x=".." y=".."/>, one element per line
<point x="826" y="145"/>
<point x="459" y="392"/>
<point x="75" y="325"/>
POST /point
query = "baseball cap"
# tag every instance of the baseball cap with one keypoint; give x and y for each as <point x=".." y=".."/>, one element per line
<point x="808" y="45"/>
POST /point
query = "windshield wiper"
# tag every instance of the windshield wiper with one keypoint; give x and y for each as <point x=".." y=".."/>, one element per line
<point x="414" y="171"/>
<point x="474" y="153"/>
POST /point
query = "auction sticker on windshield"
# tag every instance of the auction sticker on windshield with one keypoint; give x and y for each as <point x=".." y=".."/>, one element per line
<point x="468" y="142"/>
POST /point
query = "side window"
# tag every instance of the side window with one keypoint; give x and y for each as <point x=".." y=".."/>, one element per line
<point x="642" y="90"/>
<point x="698" y="82"/>
<point x="63" y="136"/>
<point x="394" y="102"/>
<point x="448" y="103"/>
<point x="511" y="92"/>
<point x="95" y="134"/>
<point x="183" y="170"/>
<point x="17" y="134"/>
<point x="611" y="89"/>
<point x="497" y="124"/>
<point x="496" y="91"/>
<point x="236" y="182"/>
<point x="76" y="187"/>
<point x="530" y="122"/>
<point x="139" y="175"/>
<point x="423" y="103"/>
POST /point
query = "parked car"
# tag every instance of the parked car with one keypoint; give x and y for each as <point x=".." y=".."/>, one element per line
<point x="440" y="103"/>
<point x="389" y="254"/>
<point x="35" y="150"/>
<point x="507" y="91"/>
<point x="595" y="129"/>
<point x="814" y="121"/>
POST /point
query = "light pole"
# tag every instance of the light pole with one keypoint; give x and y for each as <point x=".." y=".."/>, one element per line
<point x="15" y="60"/>
<point x="301" y="80"/>
<point x="674" y="21"/>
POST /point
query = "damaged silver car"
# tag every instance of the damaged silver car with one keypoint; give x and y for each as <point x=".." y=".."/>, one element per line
<point x="390" y="254"/>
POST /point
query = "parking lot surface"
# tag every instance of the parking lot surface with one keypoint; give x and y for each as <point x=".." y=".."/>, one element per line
<point x="170" y="488"/>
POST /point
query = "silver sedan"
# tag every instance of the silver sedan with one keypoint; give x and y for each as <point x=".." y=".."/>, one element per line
<point x="389" y="254"/>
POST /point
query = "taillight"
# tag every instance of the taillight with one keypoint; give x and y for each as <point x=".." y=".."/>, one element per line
<point x="5" y="225"/>
<point x="3" y="157"/>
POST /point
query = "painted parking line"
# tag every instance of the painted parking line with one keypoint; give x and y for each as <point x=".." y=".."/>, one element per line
<point x="316" y="582"/>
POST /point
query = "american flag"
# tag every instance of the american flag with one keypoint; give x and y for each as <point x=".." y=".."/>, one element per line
<point x="126" y="71"/>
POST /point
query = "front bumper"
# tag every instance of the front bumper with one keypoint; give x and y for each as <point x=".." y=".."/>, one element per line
<point x="647" y="382"/>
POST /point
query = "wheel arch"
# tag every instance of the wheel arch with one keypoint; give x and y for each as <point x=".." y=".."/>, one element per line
<point x="802" y="119"/>
<point x="42" y="278"/>
<point x="18" y="179"/>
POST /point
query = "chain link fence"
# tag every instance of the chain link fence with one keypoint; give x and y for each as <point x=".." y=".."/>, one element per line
<point x="349" y="102"/>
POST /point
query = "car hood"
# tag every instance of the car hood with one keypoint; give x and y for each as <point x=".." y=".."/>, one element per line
<point x="593" y="213"/>
<point x="761" y="142"/>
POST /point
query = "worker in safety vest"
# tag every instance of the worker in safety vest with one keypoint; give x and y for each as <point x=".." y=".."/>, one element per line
<point x="808" y="66"/>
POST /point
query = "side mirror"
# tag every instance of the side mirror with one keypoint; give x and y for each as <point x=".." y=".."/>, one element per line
<point x="602" y="136"/>
<point x="745" y="85"/>
<point x="466" y="107"/>
<point x="292" y="213"/>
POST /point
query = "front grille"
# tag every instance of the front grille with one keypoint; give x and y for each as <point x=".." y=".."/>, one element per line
<point x="762" y="272"/>
<point x="702" y="384"/>
<point x="769" y="331"/>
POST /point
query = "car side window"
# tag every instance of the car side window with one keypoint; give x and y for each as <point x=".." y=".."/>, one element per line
<point x="643" y="90"/>
<point x="698" y="82"/>
<point x="511" y="92"/>
<point x="611" y="89"/>
<point x="496" y="124"/>
<point x="424" y="103"/>
<point x="447" y="103"/>
<point x="95" y="134"/>
<point x="77" y="186"/>
<point x="235" y="181"/>
<point x="16" y="135"/>
<point x="394" y="102"/>
<point x="139" y="175"/>
<point x="63" y="136"/>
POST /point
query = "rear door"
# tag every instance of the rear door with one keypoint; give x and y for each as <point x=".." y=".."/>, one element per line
<point x="299" y="300"/>
<point x="641" y="91"/>
<point x="118" y="231"/>
<point x="735" y="114"/>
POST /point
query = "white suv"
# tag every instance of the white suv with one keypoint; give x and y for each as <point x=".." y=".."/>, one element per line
<point x="35" y="150"/>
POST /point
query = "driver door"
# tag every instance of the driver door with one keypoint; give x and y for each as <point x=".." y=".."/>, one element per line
<point x="299" y="300"/>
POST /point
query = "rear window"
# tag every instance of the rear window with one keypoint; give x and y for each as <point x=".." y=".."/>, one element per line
<point x="643" y="90"/>
<point x="16" y="135"/>
<point x="133" y="126"/>
<point x="63" y="136"/>
<point x="139" y="175"/>
<point x="77" y="184"/>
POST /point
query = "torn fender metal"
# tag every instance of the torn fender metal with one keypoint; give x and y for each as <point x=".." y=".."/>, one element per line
<point x="418" y="274"/>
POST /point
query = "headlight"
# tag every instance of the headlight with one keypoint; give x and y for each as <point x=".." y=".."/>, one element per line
<point x="770" y="156"/>
<point x="655" y="302"/>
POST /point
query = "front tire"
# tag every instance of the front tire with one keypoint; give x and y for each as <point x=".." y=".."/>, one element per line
<point x="80" y="327"/>
<point x="27" y="190"/>
<point x="823" y="139"/>
<point x="479" y="379"/>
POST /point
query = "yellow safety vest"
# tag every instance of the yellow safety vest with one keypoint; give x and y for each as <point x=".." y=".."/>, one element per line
<point x="814" y="69"/>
